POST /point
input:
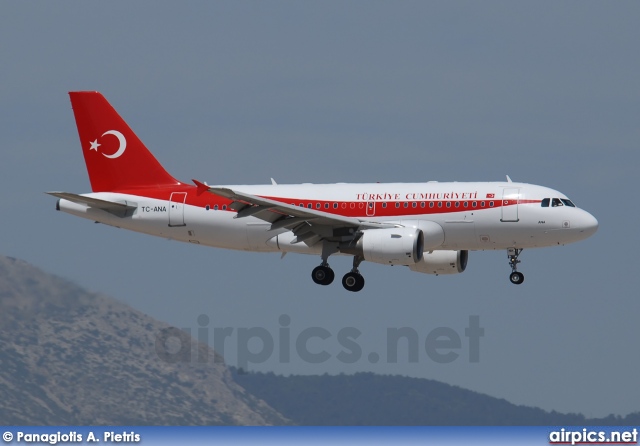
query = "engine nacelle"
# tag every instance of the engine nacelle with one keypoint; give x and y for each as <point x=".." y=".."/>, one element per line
<point x="442" y="262"/>
<point x="391" y="246"/>
<point x="432" y="232"/>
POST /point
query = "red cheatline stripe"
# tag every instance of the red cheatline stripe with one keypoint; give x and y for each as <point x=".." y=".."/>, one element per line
<point x="345" y="208"/>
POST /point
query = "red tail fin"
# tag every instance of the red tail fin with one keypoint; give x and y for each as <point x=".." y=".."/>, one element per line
<point x="116" y="158"/>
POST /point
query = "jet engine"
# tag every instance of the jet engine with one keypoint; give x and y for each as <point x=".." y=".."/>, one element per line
<point x="432" y="232"/>
<point x="442" y="262"/>
<point x="391" y="246"/>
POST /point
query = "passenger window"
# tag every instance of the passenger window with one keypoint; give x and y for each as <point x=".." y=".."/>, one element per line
<point x="431" y="204"/>
<point x="317" y="205"/>
<point x="326" y="205"/>
<point x="556" y="202"/>
<point x="215" y="207"/>
<point x="384" y="205"/>
<point x="545" y="202"/>
<point x="335" y="205"/>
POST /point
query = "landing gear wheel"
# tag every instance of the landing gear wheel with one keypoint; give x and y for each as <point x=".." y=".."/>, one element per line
<point x="353" y="282"/>
<point x="322" y="275"/>
<point x="516" y="278"/>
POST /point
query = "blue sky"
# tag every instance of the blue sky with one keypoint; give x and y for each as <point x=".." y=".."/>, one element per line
<point x="238" y="92"/>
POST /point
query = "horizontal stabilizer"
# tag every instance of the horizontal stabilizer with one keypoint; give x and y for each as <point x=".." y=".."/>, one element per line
<point x="117" y="209"/>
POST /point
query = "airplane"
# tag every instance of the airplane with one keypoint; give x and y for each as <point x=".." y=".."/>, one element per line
<point x="429" y="227"/>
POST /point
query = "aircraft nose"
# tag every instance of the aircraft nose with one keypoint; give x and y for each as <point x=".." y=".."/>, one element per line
<point x="588" y="224"/>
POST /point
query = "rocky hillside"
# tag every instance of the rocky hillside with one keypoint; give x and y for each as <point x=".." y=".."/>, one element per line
<point x="71" y="357"/>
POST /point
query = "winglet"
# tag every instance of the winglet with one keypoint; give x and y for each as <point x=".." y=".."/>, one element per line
<point x="509" y="179"/>
<point x="202" y="188"/>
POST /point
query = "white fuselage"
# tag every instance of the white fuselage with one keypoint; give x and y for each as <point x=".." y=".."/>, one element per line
<point x="473" y="215"/>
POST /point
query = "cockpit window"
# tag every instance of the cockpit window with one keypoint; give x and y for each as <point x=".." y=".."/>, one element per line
<point x="556" y="202"/>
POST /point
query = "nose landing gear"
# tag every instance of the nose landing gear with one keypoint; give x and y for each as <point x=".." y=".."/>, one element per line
<point x="515" y="277"/>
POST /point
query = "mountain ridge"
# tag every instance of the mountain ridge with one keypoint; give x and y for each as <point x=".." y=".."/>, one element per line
<point x="73" y="357"/>
<point x="368" y="399"/>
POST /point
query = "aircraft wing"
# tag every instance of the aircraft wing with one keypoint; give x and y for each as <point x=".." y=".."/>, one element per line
<point x="308" y="225"/>
<point x="115" y="208"/>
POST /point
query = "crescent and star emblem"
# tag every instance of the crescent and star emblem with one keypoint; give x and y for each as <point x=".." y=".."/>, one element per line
<point x="121" y="148"/>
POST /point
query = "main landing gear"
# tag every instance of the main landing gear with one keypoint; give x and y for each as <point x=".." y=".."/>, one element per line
<point x="323" y="274"/>
<point x="515" y="277"/>
<point x="352" y="281"/>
